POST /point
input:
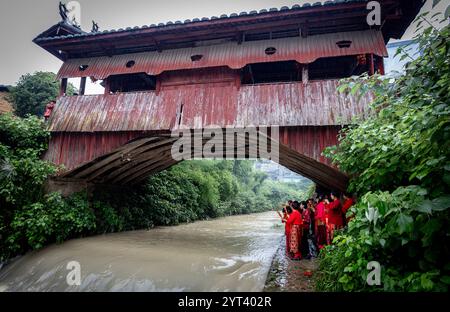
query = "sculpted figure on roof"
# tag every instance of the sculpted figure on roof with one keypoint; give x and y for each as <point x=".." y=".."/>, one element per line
<point x="63" y="11"/>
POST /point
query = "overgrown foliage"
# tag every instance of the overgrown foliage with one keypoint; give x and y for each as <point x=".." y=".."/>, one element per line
<point x="399" y="162"/>
<point x="28" y="217"/>
<point x="34" y="91"/>
<point x="404" y="231"/>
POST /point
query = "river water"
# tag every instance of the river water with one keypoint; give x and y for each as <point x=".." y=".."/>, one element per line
<point x="227" y="254"/>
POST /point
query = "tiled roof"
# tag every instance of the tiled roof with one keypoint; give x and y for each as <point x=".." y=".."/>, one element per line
<point x="205" y="19"/>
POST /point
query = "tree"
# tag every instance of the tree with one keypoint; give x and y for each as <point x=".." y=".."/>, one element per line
<point x="34" y="91"/>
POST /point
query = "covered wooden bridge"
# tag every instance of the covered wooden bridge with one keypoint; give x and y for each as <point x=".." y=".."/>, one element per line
<point x="277" y="67"/>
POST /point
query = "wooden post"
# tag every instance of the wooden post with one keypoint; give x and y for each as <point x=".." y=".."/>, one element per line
<point x="304" y="29"/>
<point x="82" y="85"/>
<point x="158" y="86"/>
<point x="371" y="65"/>
<point x="107" y="86"/>
<point x="251" y="73"/>
<point x="381" y="66"/>
<point x="237" y="80"/>
<point x="305" y="73"/>
<point x="63" y="87"/>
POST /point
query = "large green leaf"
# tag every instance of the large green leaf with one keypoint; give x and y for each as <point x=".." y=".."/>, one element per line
<point x="441" y="203"/>
<point x="404" y="223"/>
<point x="426" y="206"/>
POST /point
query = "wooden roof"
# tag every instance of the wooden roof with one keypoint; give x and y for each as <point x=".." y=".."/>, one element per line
<point x="309" y="19"/>
<point x="303" y="50"/>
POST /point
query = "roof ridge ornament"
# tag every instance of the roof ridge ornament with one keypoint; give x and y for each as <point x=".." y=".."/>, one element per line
<point x="75" y="23"/>
<point x="94" y="27"/>
<point x="63" y="11"/>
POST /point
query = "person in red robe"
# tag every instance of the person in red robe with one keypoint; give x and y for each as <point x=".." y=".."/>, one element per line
<point x="348" y="202"/>
<point x="320" y="223"/>
<point x="335" y="214"/>
<point x="295" y="224"/>
<point x="287" y="229"/>
<point x="306" y="220"/>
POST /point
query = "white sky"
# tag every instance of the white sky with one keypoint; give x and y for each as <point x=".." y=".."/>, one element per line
<point x="23" y="20"/>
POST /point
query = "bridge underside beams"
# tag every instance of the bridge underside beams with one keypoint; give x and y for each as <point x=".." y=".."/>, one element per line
<point x="74" y="149"/>
<point x="136" y="160"/>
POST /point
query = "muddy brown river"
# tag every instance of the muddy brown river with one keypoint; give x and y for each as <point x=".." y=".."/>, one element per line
<point x="227" y="254"/>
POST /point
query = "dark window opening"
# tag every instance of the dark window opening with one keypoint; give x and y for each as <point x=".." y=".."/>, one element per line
<point x="270" y="51"/>
<point x="344" y="44"/>
<point x="83" y="67"/>
<point x="130" y="64"/>
<point x="287" y="71"/>
<point x="196" y="57"/>
<point x="335" y="68"/>
<point x="132" y="83"/>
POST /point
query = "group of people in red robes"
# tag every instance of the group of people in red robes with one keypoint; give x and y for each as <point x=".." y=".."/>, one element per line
<point x="311" y="224"/>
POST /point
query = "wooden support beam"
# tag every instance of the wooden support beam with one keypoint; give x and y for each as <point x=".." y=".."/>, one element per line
<point x="159" y="168"/>
<point x="82" y="85"/>
<point x="305" y="73"/>
<point x="158" y="86"/>
<point x="237" y="80"/>
<point x="142" y="157"/>
<point x="116" y="158"/>
<point x="138" y="159"/>
<point x="381" y="69"/>
<point x="251" y="73"/>
<point x="107" y="86"/>
<point x="371" y="65"/>
<point x="163" y="158"/>
<point x="312" y="169"/>
<point x="63" y="87"/>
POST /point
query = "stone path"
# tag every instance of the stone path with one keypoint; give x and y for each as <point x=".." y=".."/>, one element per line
<point x="288" y="275"/>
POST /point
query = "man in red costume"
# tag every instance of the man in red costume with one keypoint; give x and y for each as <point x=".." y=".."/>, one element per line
<point x="295" y="224"/>
<point x="320" y="219"/>
<point x="287" y="210"/>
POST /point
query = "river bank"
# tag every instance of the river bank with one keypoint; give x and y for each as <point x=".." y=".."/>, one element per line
<point x="292" y="276"/>
<point x="225" y="254"/>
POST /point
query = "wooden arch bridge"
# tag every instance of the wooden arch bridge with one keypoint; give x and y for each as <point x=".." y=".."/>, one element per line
<point x="277" y="67"/>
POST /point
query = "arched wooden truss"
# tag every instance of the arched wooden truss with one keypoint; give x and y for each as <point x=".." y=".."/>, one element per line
<point x="142" y="157"/>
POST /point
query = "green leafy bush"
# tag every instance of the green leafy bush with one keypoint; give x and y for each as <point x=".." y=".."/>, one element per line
<point x="404" y="231"/>
<point x="406" y="139"/>
<point x="52" y="220"/>
<point x="398" y="160"/>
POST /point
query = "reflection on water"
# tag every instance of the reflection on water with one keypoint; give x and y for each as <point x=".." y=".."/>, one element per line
<point x="227" y="254"/>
